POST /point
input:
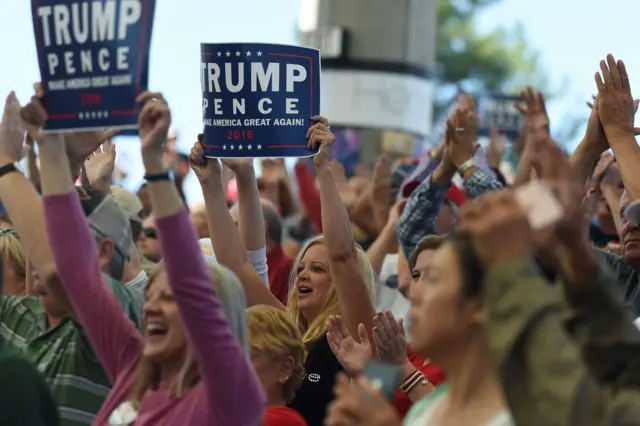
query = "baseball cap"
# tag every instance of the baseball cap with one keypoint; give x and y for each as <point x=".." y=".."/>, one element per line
<point x="106" y="218"/>
<point x="128" y="202"/>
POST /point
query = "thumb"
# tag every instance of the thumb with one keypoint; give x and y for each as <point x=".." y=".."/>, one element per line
<point x="363" y="335"/>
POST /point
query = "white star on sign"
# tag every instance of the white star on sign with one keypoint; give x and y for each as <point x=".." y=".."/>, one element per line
<point x="259" y="146"/>
<point x="259" y="53"/>
<point x="240" y="147"/>
<point x="237" y="53"/>
<point x="249" y="147"/>
<point x="224" y="147"/>
<point x="228" y="53"/>
<point x="93" y="114"/>
<point x="99" y="114"/>
<point x="248" y="53"/>
<point x="105" y="114"/>
<point x="219" y="54"/>
<point x="80" y="116"/>
<point x="231" y="147"/>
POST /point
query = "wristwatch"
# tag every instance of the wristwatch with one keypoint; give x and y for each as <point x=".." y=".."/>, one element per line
<point x="8" y="168"/>
<point x="464" y="167"/>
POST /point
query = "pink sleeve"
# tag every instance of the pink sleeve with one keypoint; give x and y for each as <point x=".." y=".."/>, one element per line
<point x="113" y="336"/>
<point x="309" y="194"/>
<point x="235" y="394"/>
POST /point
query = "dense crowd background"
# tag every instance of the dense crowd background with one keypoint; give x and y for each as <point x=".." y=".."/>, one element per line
<point x="286" y="299"/>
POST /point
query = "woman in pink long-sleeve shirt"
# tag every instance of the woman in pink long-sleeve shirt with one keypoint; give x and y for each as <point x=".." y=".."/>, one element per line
<point x="187" y="368"/>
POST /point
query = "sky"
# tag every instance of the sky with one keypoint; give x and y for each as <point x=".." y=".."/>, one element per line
<point x="571" y="36"/>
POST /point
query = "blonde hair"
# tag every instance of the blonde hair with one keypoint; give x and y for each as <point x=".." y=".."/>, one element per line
<point x="232" y="300"/>
<point x="273" y="334"/>
<point x="13" y="254"/>
<point x="318" y="327"/>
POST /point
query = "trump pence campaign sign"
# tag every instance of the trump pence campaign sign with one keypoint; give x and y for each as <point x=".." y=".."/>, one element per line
<point x="94" y="59"/>
<point x="257" y="99"/>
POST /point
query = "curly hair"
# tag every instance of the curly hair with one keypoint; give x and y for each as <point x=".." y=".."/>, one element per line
<point x="273" y="333"/>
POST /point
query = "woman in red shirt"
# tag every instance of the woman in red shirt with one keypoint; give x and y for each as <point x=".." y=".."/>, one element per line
<point x="277" y="355"/>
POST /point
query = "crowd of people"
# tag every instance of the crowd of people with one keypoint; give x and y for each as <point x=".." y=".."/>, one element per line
<point x="274" y="302"/>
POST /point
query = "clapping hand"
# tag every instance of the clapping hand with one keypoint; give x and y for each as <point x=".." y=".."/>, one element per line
<point x="498" y="228"/>
<point x="153" y="124"/>
<point x="12" y="128"/>
<point x="461" y="137"/>
<point x="389" y="337"/>
<point x="99" y="166"/>
<point x="534" y="110"/>
<point x="353" y="356"/>
<point x="616" y="107"/>
<point x="359" y="403"/>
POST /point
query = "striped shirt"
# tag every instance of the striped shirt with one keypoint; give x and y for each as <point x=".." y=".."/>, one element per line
<point x="63" y="353"/>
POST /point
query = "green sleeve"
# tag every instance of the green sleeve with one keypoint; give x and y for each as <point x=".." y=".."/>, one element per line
<point x="543" y="376"/>
<point x="604" y="330"/>
<point x="130" y="298"/>
<point x="25" y="399"/>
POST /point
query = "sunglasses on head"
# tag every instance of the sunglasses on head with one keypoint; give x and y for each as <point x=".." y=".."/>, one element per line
<point x="150" y="232"/>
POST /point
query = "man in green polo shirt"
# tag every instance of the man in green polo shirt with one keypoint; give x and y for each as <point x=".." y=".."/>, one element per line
<point x="62" y="351"/>
<point x="25" y="398"/>
<point x="43" y="327"/>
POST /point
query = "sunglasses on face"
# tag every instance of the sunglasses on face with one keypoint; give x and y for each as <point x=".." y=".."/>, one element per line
<point x="150" y="233"/>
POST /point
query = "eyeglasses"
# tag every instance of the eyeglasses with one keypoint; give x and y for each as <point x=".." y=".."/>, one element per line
<point x="150" y="233"/>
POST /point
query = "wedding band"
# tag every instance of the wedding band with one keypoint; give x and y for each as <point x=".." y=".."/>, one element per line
<point x="460" y="129"/>
<point x="328" y="127"/>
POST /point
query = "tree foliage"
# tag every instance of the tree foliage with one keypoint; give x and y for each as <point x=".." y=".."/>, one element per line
<point x="498" y="61"/>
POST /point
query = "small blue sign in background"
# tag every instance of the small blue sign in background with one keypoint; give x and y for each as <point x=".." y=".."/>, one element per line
<point x="257" y="99"/>
<point x="500" y="111"/>
<point x="94" y="60"/>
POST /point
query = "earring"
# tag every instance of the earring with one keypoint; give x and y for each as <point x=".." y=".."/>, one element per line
<point x="282" y="381"/>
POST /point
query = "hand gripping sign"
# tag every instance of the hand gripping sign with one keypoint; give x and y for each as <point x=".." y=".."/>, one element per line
<point x="94" y="59"/>
<point x="257" y="99"/>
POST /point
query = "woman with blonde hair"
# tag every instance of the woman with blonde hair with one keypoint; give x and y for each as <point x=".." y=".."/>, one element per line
<point x="14" y="263"/>
<point x="190" y="365"/>
<point x="331" y="275"/>
<point x="277" y="355"/>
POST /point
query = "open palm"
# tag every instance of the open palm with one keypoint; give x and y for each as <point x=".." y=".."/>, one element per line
<point x="353" y="356"/>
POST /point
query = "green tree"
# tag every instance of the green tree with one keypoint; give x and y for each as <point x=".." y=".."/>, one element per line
<point x="500" y="61"/>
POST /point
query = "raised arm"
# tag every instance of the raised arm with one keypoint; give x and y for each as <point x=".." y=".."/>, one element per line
<point x="250" y="222"/>
<point x="220" y="356"/>
<point x="18" y="195"/>
<point x="227" y="243"/>
<point x="113" y="336"/>
<point x="356" y="306"/>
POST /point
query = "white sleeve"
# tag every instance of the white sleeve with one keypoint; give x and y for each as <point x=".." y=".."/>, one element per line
<point x="258" y="259"/>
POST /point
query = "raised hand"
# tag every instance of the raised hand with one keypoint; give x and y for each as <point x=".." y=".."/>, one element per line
<point x="389" y="337"/>
<point x="615" y="104"/>
<point x="153" y="123"/>
<point x="100" y="165"/>
<point x="360" y="403"/>
<point x="12" y="128"/>
<point x="497" y="146"/>
<point x="353" y="356"/>
<point x="204" y="168"/>
<point x="463" y="129"/>
<point x="498" y="228"/>
<point x="534" y="110"/>
<point x="320" y="134"/>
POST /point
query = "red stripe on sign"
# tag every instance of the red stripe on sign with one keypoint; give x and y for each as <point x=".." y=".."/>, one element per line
<point x="63" y="116"/>
<point x="124" y="112"/>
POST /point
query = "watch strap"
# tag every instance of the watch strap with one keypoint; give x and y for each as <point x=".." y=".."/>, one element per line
<point x="8" y="168"/>
<point x="466" y="166"/>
